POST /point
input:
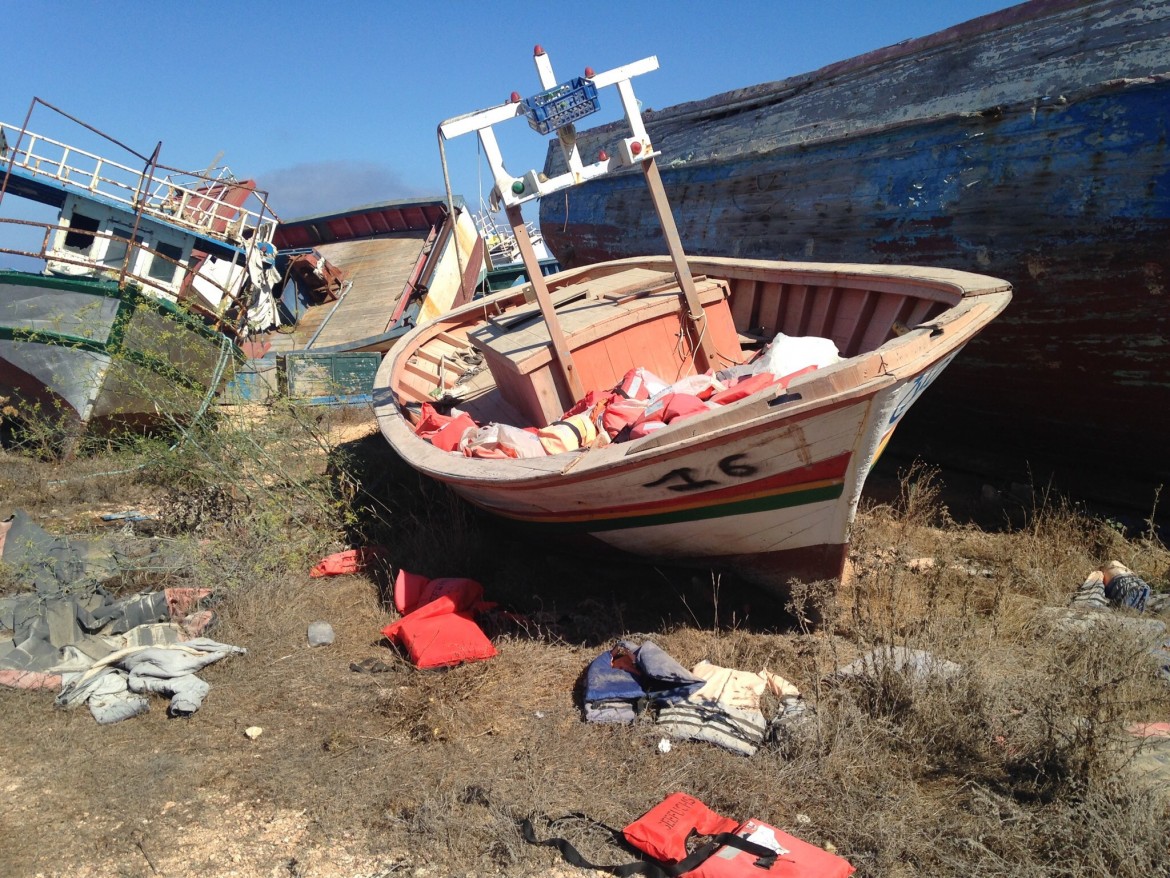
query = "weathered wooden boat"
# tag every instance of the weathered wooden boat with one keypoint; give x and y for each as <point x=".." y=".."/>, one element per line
<point x="353" y="283"/>
<point x="766" y="485"/>
<point x="1030" y="143"/>
<point x="150" y="273"/>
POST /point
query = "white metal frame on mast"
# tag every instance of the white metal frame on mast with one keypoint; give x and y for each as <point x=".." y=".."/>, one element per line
<point x="512" y="192"/>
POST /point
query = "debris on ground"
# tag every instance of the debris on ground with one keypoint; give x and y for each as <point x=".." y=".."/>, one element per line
<point x="666" y="834"/>
<point x="115" y="688"/>
<point x="709" y="703"/>
<point x="915" y="664"/>
<point x="71" y="633"/>
<point x="1115" y="586"/>
<point x="350" y="561"/>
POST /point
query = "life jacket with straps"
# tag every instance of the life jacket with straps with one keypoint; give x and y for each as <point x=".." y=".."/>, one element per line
<point x="569" y="434"/>
<point x="752" y="849"/>
<point x="662" y="832"/>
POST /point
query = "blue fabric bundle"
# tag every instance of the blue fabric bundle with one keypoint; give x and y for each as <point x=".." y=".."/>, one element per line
<point x="1128" y="590"/>
<point x="621" y="681"/>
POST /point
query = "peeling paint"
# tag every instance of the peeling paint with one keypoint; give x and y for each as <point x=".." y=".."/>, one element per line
<point x="894" y="157"/>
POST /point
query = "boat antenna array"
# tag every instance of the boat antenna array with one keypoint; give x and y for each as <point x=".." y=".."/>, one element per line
<point x="556" y="108"/>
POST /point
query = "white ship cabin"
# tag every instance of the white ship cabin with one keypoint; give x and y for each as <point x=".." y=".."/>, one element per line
<point x="93" y="240"/>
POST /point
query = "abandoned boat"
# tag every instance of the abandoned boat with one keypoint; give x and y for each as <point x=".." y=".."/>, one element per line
<point x="352" y="283"/>
<point x="1029" y="144"/>
<point x="764" y="476"/>
<point x="150" y="274"/>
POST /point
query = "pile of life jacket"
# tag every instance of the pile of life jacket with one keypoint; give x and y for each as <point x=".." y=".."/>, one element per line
<point x="640" y="404"/>
<point x="751" y="849"/>
<point x="438" y="627"/>
<point x="710" y="703"/>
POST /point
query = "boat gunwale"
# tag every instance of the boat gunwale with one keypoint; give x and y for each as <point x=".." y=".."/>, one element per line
<point x="975" y="300"/>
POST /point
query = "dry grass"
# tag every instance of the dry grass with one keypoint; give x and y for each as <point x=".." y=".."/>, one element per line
<point x="1017" y="766"/>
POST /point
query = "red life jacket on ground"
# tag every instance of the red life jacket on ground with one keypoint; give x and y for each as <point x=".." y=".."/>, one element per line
<point x="349" y="561"/>
<point x="794" y="858"/>
<point x="662" y="832"/>
<point x="412" y="590"/>
<point x="440" y="633"/>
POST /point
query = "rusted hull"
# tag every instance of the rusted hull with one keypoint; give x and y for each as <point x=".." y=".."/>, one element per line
<point x="1059" y="183"/>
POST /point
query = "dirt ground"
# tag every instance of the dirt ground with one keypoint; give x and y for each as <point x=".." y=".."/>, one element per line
<point x="423" y="773"/>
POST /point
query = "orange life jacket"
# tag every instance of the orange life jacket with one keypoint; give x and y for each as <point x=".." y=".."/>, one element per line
<point x="662" y="832"/>
<point x="440" y="634"/>
<point x="794" y="858"/>
<point x="349" y="561"/>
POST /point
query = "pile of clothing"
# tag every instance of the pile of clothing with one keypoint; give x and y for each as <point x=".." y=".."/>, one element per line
<point x="1116" y="586"/>
<point x="707" y="703"/>
<point x="107" y="652"/>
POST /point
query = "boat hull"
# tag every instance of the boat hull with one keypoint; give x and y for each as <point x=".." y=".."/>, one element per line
<point x="1029" y="144"/>
<point x="771" y="501"/>
<point x="766" y="487"/>
<point x="89" y="353"/>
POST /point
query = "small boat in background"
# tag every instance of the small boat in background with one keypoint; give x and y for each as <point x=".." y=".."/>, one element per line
<point x="651" y="403"/>
<point x="150" y="275"/>
<point x="504" y="265"/>
<point x="1030" y="144"/>
<point x="352" y="283"/>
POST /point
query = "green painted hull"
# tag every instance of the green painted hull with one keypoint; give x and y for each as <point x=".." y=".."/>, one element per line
<point x="99" y="354"/>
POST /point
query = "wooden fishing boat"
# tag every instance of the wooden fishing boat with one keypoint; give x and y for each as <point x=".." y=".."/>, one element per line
<point x="149" y="276"/>
<point x="1029" y="144"/>
<point x="767" y="485"/>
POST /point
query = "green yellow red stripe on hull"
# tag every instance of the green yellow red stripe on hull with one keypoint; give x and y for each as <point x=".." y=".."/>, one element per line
<point x="818" y="483"/>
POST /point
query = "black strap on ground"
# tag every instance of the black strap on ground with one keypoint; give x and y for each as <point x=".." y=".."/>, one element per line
<point x="765" y="857"/>
<point x="572" y="856"/>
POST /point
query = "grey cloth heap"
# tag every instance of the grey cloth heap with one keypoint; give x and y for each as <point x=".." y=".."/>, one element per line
<point x="70" y="632"/>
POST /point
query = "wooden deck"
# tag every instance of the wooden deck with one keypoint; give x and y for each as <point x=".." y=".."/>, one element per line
<point x="378" y="270"/>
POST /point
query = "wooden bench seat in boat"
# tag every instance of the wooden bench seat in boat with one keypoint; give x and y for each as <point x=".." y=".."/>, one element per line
<point x="611" y="324"/>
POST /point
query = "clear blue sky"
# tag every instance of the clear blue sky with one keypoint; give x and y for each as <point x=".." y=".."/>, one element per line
<point x="332" y="105"/>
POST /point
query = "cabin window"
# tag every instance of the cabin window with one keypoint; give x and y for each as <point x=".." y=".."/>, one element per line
<point x="162" y="269"/>
<point x="116" y="248"/>
<point x="80" y="236"/>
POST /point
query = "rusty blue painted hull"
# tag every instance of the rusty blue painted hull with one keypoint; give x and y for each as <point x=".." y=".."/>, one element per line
<point x="1030" y="144"/>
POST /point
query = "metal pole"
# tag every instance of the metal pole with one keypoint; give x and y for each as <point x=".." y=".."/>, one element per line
<point x="148" y="171"/>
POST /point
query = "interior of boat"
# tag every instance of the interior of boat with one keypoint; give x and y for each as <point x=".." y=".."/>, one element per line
<point x="497" y="364"/>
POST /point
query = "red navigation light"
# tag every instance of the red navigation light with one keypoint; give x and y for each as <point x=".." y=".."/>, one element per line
<point x="603" y="156"/>
<point x="636" y="148"/>
<point x="538" y="49"/>
<point x="515" y="97"/>
<point x="588" y="72"/>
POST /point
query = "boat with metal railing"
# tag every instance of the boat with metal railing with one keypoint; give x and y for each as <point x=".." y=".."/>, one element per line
<point x="150" y="275"/>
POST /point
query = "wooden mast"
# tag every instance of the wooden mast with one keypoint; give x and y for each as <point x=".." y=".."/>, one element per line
<point x="704" y="345"/>
<point x="561" y="352"/>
